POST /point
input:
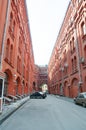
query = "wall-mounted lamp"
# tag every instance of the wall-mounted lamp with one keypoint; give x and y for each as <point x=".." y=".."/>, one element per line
<point x="14" y="75"/>
<point x="66" y="65"/>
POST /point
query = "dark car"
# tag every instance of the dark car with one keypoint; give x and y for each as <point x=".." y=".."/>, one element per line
<point x="44" y="94"/>
<point x="81" y="99"/>
<point x="37" y="95"/>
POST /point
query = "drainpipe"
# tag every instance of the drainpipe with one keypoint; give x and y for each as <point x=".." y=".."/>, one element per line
<point x="62" y="85"/>
<point x="5" y="29"/>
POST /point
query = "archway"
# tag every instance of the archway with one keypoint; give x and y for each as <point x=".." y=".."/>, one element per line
<point x="44" y="88"/>
<point x="61" y="89"/>
<point x="18" y="82"/>
<point x="66" y="89"/>
<point x="74" y="88"/>
<point x="8" y="84"/>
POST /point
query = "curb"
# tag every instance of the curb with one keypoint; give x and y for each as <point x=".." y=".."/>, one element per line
<point x="65" y="98"/>
<point x="10" y="112"/>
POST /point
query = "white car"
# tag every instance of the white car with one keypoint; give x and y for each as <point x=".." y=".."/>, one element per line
<point x="81" y="99"/>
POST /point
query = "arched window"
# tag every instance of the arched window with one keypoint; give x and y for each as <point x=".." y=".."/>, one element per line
<point x="20" y="66"/>
<point x="79" y="1"/>
<point x="73" y="44"/>
<point x="71" y="47"/>
<point x="13" y="27"/>
<point x="18" y="63"/>
<point x="20" y="45"/>
<point x="11" y="53"/>
<point x="11" y="19"/>
<point x="6" y="83"/>
<point x="75" y="62"/>
<point x="7" y="49"/>
<point x="72" y="65"/>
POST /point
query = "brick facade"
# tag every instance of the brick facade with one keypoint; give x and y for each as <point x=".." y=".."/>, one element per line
<point x="67" y="65"/>
<point x="16" y="52"/>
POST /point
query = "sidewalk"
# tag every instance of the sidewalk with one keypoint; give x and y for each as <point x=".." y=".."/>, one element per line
<point x="9" y="109"/>
<point x="64" y="98"/>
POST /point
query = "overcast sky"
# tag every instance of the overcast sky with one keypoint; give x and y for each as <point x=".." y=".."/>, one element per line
<point x="45" y="18"/>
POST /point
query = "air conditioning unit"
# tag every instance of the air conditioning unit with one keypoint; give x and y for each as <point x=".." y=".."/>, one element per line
<point x="82" y="60"/>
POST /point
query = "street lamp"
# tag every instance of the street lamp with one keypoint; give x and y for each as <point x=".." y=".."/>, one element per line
<point x="66" y="65"/>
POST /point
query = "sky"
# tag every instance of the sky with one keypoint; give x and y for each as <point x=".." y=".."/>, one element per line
<point x="45" y="20"/>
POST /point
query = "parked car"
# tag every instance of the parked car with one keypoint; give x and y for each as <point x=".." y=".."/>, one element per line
<point x="37" y="95"/>
<point x="81" y="99"/>
<point x="44" y="94"/>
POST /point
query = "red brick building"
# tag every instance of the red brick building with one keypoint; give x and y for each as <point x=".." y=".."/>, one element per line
<point x="16" y="51"/>
<point x="41" y="76"/>
<point x="36" y="76"/>
<point x="67" y="65"/>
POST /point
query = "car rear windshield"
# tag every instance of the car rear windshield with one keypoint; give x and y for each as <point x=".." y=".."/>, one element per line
<point x="85" y="95"/>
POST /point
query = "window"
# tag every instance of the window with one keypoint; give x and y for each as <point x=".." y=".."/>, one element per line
<point x="72" y="65"/>
<point x="83" y="28"/>
<point x="18" y="63"/>
<point x="11" y="19"/>
<point x="72" y="46"/>
<point x="23" y="71"/>
<point x="11" y="54"/>
<point x="6" y="84"/>
<point x="20" y="45"/>
<point x="7" y="55"/>
<point x="11" y="26"/>
<point x="65" y="58"/>
<point x="15" y="2"/>
<point x="79" y="1"/>
<point x="65" y="71"/>
<point x="75" y="63"/>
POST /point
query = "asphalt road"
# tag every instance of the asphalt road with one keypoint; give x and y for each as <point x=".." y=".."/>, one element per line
<point x="47" y="114"/>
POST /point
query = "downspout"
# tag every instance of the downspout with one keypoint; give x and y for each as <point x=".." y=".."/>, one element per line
<point x="4" y="33"/>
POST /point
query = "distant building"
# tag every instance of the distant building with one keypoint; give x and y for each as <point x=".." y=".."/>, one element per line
<point x="41" y="75"/>
<point x="67" y="65"/>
